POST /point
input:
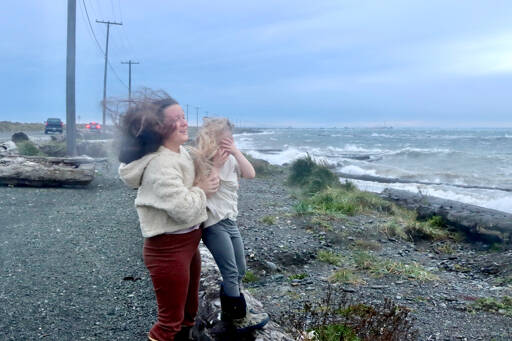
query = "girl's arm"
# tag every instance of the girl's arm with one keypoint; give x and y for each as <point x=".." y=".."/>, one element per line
<point x="246" y="169"/>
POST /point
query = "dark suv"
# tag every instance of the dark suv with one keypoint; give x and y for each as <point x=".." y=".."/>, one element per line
<point x="53" y="125"/>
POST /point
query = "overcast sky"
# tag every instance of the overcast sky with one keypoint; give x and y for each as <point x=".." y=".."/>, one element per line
<point x="274" y="63"/>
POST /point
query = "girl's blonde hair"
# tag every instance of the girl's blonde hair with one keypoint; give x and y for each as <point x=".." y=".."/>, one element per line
<point x="207" y="144"/>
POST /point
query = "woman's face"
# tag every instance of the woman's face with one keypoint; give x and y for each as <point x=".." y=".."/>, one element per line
<point x="174" y="114"/>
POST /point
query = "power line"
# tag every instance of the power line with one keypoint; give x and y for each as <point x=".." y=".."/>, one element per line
<point x="92" y="31"/>
<point x="100" y="48"/>
<point x="124" y="35"/>
<point x="88" y="30"/>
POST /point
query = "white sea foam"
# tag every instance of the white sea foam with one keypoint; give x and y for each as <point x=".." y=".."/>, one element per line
<point x="381" y="135"/>
<point x="410" y="150"/>
<point x="285" y="156"/>
<point x="244" y="142"/>
<point x="355" y="170"/>
<point x="358" y="149"/>
<point x="497" y="200"/>
<point x="263" y="132"/>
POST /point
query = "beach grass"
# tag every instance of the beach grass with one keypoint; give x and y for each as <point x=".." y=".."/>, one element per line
<point x="500" y="305"/>
<point x="28" y="148"/>
<point x="329" y="257"/>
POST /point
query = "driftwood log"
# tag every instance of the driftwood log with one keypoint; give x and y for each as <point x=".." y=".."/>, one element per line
<point x="46" y="171"/>
<point x="468" y="218"/>
<point x="208" y="319"/>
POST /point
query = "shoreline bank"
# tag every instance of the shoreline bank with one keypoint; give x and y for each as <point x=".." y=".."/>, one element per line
<point x="72" y="265"/>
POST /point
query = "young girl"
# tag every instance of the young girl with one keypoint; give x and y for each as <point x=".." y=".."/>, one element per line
<point x="217" y="154"/>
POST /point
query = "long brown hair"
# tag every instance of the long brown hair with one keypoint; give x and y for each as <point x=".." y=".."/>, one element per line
<point x="142" y="126"/>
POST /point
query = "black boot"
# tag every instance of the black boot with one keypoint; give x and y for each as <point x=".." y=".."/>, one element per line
<point x="184" y="334"/>
<point x="234" y="311"/>
<point x="191" y="334"/>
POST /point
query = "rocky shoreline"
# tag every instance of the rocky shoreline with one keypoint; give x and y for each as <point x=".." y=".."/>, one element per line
<point x="72" y="266"/>
<point x="285" y="256"/>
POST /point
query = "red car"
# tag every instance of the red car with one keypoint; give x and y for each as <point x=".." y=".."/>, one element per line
<point x="93" y="127"/>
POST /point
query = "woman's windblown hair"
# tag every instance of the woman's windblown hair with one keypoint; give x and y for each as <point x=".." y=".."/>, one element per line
<point x="141" y="124"/>
<point x="207" y="144"/>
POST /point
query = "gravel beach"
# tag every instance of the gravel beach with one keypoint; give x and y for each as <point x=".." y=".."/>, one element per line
<point x="71" y="265"/>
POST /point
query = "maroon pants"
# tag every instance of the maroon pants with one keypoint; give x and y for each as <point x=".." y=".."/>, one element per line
<point x="174" y="263"/>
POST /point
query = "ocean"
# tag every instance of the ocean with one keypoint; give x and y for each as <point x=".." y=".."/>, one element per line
<point x="468" y="165"/>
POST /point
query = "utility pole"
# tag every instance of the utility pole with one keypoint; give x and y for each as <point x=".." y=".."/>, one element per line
<point x="70" y="80"/>
<point x="106" y="62"/>
<point x="129" y="62"/>
<point x="187" y="113"/>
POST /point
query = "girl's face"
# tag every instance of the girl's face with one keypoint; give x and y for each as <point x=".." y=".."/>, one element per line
<point x="174" y="115"/>
<point x="224" y="135"/>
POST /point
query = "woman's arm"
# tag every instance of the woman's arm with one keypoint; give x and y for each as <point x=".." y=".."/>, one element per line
<point x="246" y="168"/>
<point x="166" y="190"/>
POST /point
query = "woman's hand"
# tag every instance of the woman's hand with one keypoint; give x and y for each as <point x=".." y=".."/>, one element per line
<point x="209" y="185"/>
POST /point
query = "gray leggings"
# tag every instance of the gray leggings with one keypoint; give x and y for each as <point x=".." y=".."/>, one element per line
<point x="225" y="243"/>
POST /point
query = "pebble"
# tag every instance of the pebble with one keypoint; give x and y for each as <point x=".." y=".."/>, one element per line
<point x="271" y="266"/>
<point x="379" y="287"/>
<point x="345" y="289"/>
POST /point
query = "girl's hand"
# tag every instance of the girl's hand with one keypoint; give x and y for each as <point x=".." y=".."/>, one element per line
<point x="209" y="185"/>
<point x="220" y="158"/>
<point x="229" y="145"/>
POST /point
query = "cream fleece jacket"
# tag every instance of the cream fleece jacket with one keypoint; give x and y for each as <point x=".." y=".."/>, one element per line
<point x="166" y="199"/>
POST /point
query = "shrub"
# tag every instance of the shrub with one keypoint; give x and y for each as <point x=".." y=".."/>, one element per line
<point x="368" y="244"/>
<point x="436" y="221"/>
<point x="302" y="208"/>
<point x="54" y="148"/>
<point x="329" y="257"/>
<point x="406" y="226"/>
<point x="345" y="276"/>
<point x="268" y="219"/>
<point x="28" y="148"/>
<point x="300" y="171"/>
<point x="349" y="186"/>
<point x="250" y="277"/>
<point x="380" y="267"/>
<point x="310" y="176"/>
<point x="297" y="276"/>
<point x="322" y="223"/>
<point x="335" y="332"/>
<point x="336" y="317"/>
<point x="337" y="200"/>
<point x="495" y="305"/>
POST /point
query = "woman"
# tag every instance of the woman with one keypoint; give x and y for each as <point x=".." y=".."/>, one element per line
<point x="170" y="208"/>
